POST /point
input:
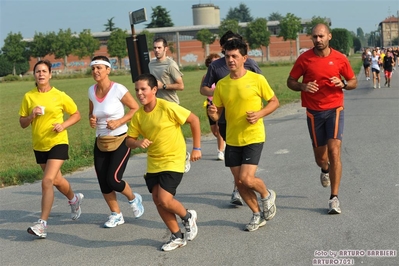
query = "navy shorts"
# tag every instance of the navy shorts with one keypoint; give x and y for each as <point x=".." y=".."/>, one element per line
<point x="375" y="70"/>
<point x="168" y="180"/>
<point x="325" y="125"/>
<point x="249" y="154"/>
<point x="58" y="152"/>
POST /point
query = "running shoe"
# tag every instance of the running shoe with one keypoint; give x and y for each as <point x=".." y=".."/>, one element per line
<point x="75" y="207"/>
<point x="137" y="205"/>
<point x="333" y="206"/>
<point x="39" y="229"/>
<point x="191" y="225"/>
<point x="325" y="179"/>
<point x="220" y="156"/>
<point x="236" y="198"/>
<point x="174" y="243"/>
<point x="269" y="206"/>
<point x="187" y="167"/>
<point x="256" y="222"/>
<point x="114" y="219"/>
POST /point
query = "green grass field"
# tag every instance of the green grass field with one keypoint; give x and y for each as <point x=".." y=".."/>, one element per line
<point x="17" y="162"/>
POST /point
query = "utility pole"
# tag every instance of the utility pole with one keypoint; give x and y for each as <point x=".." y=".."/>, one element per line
<point x="389" y="21"/>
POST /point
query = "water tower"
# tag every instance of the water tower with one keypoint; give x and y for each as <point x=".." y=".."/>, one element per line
<point x="206" y="14"/>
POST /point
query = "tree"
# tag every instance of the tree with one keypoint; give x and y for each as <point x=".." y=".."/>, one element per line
<point x="341" y="40"/>
<point x="373" y="39"/>
<point x="149" y="38"/>
<point x="160" y="18"/>
<point x="362" y="38"/>
<point x="110" y="25"/>
<point x="206" y="37"/>
<point x="275" y="16"/>
<point x="62" y="45"/>
<point x="315" y="20"/>
<point x="14" y="49"/>
<point x="257" y="34"/>
<point x="6" y="67"/>
<point x="86" y="44"/>
<point x="290" y="25"/>
<point x="227" y="25"/>
<point x="116" y="45"/>
<point x="357" y="46"/>
<point x="40" y="46"/>
<point x="171" y="48"/>
<point x="240" y="13"/>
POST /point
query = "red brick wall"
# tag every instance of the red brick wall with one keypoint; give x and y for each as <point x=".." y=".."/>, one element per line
<point x="191" y="53"/>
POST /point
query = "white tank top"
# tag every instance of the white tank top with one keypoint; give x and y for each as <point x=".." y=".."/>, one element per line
<point x="374" y="62"/>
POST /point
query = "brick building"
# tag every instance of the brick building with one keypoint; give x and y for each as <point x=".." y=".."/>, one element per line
<point x="188" y="50"/>
<point x="389" y="30"/>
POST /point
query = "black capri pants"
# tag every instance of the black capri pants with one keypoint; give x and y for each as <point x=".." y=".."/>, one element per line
<point x="110" y="167"/>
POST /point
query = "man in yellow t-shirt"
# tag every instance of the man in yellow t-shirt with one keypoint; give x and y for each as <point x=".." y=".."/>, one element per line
<point x="240" y="94"/>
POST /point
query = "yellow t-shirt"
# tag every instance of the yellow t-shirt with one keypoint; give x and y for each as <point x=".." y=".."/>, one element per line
<point x="238" y="96"/>
<point x="162" y="126"/>
<point x="382" y="55"/>
<point x="56" y="103"/>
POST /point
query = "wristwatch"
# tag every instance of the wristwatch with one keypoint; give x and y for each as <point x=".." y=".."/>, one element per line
<point x="345" y="83"/>
<point x="164" y="86"/>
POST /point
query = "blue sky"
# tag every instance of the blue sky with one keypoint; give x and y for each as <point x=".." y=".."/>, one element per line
<point x="30" y="16"/>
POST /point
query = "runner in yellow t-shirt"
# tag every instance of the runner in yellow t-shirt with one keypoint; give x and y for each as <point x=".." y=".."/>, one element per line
<point x="44" y="108"/>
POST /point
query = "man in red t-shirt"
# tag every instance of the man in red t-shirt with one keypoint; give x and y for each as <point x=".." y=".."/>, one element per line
<point x="321" y="69"/>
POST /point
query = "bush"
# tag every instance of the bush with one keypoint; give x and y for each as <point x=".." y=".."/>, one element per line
<point x="11" y="78"/>
<point x="120" y="72"/>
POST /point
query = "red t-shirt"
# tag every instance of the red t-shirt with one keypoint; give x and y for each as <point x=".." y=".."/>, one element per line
<point x="321" y="69"/>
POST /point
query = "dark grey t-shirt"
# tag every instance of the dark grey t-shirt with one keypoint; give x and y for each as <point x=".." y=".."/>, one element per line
<point x="218" y="70"/>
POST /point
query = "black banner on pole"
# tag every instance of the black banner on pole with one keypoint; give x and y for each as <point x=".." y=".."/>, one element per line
<point x="138" y="64"/>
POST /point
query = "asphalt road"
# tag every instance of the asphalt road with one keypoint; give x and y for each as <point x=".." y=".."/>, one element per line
<point x="300" y="234"/>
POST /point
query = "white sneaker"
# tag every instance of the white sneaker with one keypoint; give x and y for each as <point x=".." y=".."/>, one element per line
<point x="256" y="222"/>
<point x="236" y="198"/>
<point x="333" y="206"/>
<point x="187" y="167"/>
<point x="325" y="179"/>
<point x="269" y="206"/>
<point x="76" y="211"/>
<point x="174" y="243"/>
<point x="191" y="225"/>
<point x="137" y="205"/>
<point x="220" y="156"/>
<point x="39" y="229"/>
<point x="114" y="219"/>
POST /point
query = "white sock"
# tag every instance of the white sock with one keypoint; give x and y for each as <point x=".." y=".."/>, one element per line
<point x="73" y="201"/>
<point x="43" y="222"/>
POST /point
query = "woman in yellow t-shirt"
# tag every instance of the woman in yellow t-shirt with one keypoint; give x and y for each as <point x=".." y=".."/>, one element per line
<point x="43" y="107"/>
